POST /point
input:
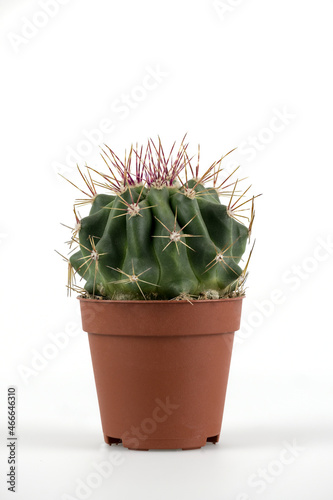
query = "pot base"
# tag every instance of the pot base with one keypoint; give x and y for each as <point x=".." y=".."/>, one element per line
<point x="165" y="444"/>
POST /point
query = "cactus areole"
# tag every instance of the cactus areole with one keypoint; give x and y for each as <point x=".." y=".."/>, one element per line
<point x="160" y="230"/>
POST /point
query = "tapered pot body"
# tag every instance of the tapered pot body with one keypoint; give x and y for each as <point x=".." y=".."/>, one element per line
<point x="161" y="369"/>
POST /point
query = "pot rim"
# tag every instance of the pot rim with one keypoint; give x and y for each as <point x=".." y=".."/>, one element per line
<point x="160" y="317"/>
<point x="170" y="301"/>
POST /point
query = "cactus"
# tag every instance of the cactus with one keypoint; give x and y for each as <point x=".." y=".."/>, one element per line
<point x="159" y="234"/>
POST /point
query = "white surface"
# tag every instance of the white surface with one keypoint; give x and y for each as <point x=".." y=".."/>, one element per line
<point x="224" y="80"/>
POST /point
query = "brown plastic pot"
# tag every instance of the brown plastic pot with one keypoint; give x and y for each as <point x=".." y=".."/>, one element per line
<point x="161" y="369"/>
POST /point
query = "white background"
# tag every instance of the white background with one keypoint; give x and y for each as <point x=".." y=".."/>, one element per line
<point x="224" y="74"/>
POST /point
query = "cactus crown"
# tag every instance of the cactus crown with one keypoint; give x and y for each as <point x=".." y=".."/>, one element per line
<point x="160" y="231"/>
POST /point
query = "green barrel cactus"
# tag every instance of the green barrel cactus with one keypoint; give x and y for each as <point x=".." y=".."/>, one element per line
<point x="162" y="232"/>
